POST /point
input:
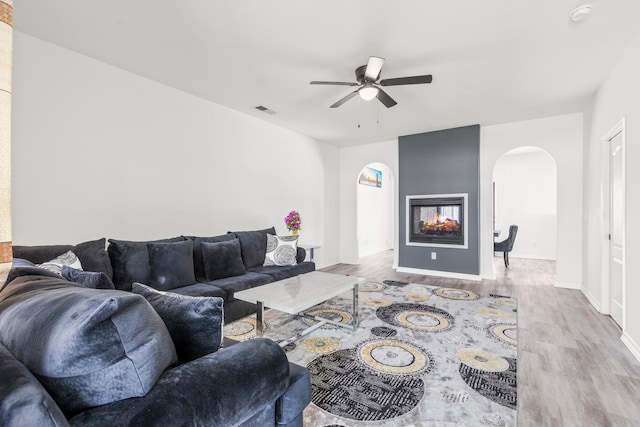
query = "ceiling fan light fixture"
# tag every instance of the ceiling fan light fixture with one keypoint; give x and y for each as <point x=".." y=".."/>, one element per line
<point x="582" y="11"/>
<point x="368" y="92"/>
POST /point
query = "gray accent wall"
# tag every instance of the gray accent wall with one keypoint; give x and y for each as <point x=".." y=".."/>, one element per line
<point x="441" y="162"/>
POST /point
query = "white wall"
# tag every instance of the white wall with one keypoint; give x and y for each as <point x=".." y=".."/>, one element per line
<point x="526" y="195"/>
<point x="100" y="152"/>
<point x="352" y="160"/>
<point x="376" y="213"/>
<point x="618" y="97"/>
<point x="560" y="136"/>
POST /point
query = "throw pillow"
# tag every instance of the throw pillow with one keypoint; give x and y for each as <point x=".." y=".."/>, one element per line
<point x="195" y="323"/>
<point x="171" y="264"/>
<point x="281" y="250"/>
<point x="88" y="279"/>
<point x="87" y="347"/>
<point x="198" y="262"/>
<point x="130" y="261"/>
<point x="222" y="259"/>
<point x="55" y="265"/>
<point x="254" y="245"/>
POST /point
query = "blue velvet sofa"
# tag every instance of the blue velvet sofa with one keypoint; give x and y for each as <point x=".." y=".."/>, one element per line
<point x="109" y="356"/>
<point x="104" y="357"/>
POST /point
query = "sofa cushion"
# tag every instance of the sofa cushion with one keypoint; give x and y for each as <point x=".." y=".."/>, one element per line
<point x="239" y="283"/>
<point x="254" y="245"/>
<point x="198" y="263"/>
<point x="21" y="262"/>
<point x="92" y="254"/>
<point x="130" y="261"/>
<point x="88" y="279"/>
<point x="222" y="259"/>
<point x="55" y="265"/>
<point x="87" y="347"/>
<point x="23" y="400"/>
<point x="281" y="250"/>
<point x="171" y="264"/>
<point x="286" y="271"/>
<point x="195" y="323"/>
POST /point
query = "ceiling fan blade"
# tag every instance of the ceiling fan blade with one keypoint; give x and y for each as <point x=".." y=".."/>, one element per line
<point x="414" y="80"/>
<point x="385" y="99"/>
<point x="334" y="83"/>
<point x="373" y="68"/>
<point x="345" y="99"/>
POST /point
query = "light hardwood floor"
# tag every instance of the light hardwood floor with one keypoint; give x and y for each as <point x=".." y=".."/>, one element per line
<point x="573" y="369"/>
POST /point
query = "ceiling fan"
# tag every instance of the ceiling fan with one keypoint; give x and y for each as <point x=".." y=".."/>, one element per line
<point x="367" y="77"/>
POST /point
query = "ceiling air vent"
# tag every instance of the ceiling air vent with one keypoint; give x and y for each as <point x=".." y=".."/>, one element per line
<point x="265" y="109"/>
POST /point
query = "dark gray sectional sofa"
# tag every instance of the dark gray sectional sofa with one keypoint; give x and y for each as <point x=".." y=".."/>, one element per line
<point x="107" y="357"/>
<point x="126" y="262"/>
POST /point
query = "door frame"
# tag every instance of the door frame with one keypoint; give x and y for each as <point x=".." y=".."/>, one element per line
<point x="619" y="128"/>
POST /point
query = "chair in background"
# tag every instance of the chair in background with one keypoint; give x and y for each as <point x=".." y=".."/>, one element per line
<point x="506" y="245"/>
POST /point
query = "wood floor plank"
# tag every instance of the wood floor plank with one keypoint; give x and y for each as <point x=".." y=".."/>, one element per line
<point x="573" y="369"/>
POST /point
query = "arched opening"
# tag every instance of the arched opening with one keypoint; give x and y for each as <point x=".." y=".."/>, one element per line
<point x="525" y="189"/>
<point x="375" y="209"/>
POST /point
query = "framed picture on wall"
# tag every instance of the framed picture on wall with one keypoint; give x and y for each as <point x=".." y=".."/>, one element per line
<point x="370" y="176"/>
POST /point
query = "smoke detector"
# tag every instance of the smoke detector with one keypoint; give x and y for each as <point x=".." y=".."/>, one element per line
<point x="580" y="12"/>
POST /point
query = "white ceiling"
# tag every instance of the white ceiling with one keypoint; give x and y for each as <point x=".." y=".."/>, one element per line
<point x="492" y="61"/>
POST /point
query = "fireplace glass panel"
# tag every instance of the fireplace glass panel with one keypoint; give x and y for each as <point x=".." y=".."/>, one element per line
<point x="437" y="220"/>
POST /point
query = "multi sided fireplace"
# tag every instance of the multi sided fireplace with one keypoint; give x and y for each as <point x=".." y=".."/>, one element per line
<point x="437" y="220"/>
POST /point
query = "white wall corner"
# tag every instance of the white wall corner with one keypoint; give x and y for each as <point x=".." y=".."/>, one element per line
<point x="594" y="302"/>
<point x="633" y="347"/>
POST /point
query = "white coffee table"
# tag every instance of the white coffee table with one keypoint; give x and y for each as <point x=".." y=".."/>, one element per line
<point x="299" y="293"/>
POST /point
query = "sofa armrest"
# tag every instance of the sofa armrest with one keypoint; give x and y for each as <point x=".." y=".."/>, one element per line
<point x="23" y="400"/>
<point x="301" y="255"/>
<point x="222" y="388"/>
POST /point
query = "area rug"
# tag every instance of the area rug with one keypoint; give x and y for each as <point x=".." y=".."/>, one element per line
<point x="421" y="356"/>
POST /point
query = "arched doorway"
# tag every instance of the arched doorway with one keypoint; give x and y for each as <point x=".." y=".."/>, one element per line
<point x="375" y="196"/>
<point x="525" y="189"/>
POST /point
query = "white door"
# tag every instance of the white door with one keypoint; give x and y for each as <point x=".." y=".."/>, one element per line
<point x="616" y="228"/>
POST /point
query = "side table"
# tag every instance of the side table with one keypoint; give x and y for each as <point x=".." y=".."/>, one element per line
<point x="311" y="248"/>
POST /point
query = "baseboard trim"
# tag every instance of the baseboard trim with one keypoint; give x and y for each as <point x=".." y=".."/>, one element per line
<point x="591" y="299"/>
<point x="633" y="347"/>
<point x="437" y="273"/>
<point x="568" y="285"/>
<point x="525" y="256"/>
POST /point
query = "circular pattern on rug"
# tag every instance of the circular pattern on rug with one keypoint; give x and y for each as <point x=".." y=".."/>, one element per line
<point x="457" y="294"/>
<point x="320" y="344"/>
<point x="492" y="312"/>
<point x="331" y="314"/>
<point x="416" y="297"/>
<point x="510" y="302"/>
<point x="383" y="331"/>
<point x="499" y="387"/>
<point x="505" y="332"/>
<point x="395" y="357"/>
<point x="370" y="287"/>
<point x="291" y="346"/>
<point x="342" y="385"/>
<point x="377" y="302"/>
<point x="416" y="316"/>
<point x="483" y="360"/>
<point x="424" y="321"/>
<point x="241" y="330"/>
